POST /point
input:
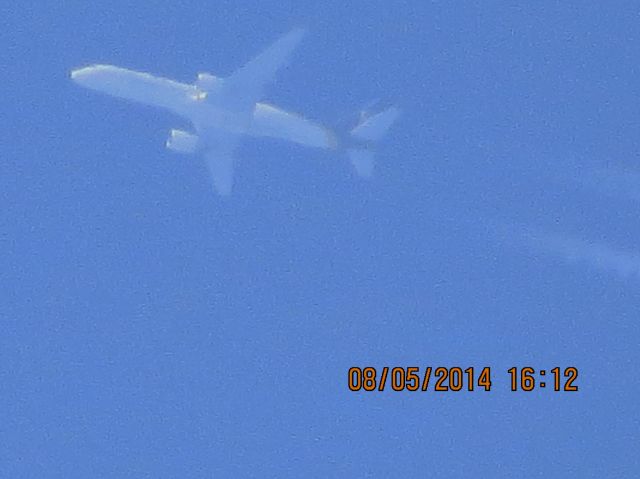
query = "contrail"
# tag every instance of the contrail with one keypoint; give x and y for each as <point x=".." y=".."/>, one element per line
<point x="598" y="255"/>
<point x="625" y="264"/>
<point x="612" y="181"/>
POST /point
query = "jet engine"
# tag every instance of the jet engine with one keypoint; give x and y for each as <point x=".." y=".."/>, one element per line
<point x="207" y="82"/>
<point x="182" y="142"/>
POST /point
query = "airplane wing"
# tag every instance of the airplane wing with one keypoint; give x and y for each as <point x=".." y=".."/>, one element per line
<point x="220" y="159"/>
<point x="244" y="88"/>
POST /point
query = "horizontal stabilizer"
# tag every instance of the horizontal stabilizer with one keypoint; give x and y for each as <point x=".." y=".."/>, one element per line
<point x="373" y="128"/>
<point x="362" y="161"/>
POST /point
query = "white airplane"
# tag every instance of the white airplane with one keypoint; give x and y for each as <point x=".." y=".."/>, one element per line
<point x="222" y="110"/>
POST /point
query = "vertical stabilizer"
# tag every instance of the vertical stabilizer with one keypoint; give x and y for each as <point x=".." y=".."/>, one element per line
<point x="362" y="161"/>
<point x="371" y="128"/>
<point x="374" y="127"/>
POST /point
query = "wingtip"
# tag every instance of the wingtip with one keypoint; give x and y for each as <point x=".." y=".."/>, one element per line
<point x="297" y="34"/>
<point x="223" y="189"/>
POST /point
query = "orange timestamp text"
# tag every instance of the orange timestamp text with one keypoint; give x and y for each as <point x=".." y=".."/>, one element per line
<point x="412" y="378"/>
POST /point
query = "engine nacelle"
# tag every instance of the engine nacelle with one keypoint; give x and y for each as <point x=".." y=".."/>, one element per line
<point x="182" y="142"/>
<point x="207" y="82"/>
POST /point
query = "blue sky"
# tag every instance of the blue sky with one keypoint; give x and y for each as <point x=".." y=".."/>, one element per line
<point x="150" y="329"/>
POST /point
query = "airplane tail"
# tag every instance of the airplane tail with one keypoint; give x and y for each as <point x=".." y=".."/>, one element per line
<point x="370" y="129"/>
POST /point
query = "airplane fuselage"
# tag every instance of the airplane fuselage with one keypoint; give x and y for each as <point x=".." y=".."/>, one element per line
<point x="203" y="109"/>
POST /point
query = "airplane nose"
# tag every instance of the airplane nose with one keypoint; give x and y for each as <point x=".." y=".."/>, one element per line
<point x="78" y="74"/>
<point x="85" y="76"/>
<point x="96" y="77"/>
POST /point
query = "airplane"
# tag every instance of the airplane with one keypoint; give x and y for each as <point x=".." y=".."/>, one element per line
<point x="222" y="110"/>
